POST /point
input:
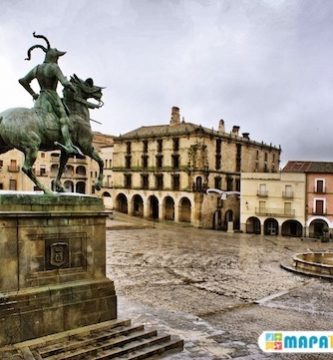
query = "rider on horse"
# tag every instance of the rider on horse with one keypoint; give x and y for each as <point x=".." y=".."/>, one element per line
<point x="48" y="74"/>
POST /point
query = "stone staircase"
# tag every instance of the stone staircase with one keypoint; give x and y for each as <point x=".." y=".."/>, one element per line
<point x="115" y="339"/>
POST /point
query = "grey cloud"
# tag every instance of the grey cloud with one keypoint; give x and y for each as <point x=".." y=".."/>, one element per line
<point x="264" y="65"/>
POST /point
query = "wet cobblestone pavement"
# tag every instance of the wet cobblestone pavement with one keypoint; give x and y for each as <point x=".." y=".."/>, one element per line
<point x="218" y="291"/>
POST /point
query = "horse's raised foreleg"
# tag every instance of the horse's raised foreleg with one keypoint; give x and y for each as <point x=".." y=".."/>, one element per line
<point x="30" y="158"/>
<point x="63" y="161"/>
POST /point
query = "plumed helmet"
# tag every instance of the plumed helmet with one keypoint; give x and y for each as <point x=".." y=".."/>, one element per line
<point x="51" y="54"/>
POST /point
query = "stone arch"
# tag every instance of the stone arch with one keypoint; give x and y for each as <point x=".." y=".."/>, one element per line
<point x="169" y="208"/>
<point x="122" y="203"/>
<point x="80" y="187"/>
<point x="54" y="169"/>
<point x="317" y="226"/>
<point x="229" y="216"/>
<point x="292" y="228"/>
<point x="137" y="205"/>
<point x="81" y="170"/>
<point x="217" y="219"/>
<point x="271" y="227"/>
<point x="253" y="225"/>
<point x="107" y="200"/>
<point x="69" y="186"/>
<point x="153" y="204"/>
<point x="185" y="210"/>
<point x="69" y="171"/>
<point x="198" y="182"/>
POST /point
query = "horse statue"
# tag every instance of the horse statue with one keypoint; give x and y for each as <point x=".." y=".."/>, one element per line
<point x="35" y="129"/>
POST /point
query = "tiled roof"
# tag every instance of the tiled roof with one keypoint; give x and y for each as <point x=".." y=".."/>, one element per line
<point x="160" y="130"/>
<point x="183" y="128"/>
<point x="309" y="167"/>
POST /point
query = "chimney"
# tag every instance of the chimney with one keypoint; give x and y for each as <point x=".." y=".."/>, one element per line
<point x="246" y="135"/>
<point x="221" y="126"/>
<point x="235" y="130"/>
<point x="175" y="116"/>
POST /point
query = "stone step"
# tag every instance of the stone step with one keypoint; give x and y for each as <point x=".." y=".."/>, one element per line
<point x="127" y="349"/>
<point x="113" y="339"/>
<point x="109" y="329"/>
<point x="90" y="340"/>
<point x="112" y="346"/>
<point x="164" y="348"/>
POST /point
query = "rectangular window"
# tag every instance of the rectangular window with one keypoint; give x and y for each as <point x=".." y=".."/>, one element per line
<point x="217" y="182"/>
<point x="238" y="157"/>
<point x="217" y="162"/>
<point x="175" y="182"/>
<point x="319" y="186"/>
<point x="1" y="186"/>
<point x="237" y="184"/>
<point x="128" y="161"/>
<point x="145" y="181"/>
<point x="319" y="207"/>
<point x="262" y="207"/>
<point x="128" y="181"/>
<point x="262" y="191"/>
<point x="287" y="208"/>
<point x="288" y="191"/>
<point x="266" y="156"/>
<point x="175" y="144"/>
<point x="13" y="165"/>
<point x="159" y="181"/>
<point x="159" y="161"/>
<point x="42" y="171"/>
<point x="128" y="147"/>
<point x="218" y="146"/>
<point x="159" y="145"/>
<point x="229" y="183"/>
<point x="1" y="163"/>
<point x="12" y="184"/>
<point x="145" y="146"/>
<point x="175" y="162"/>
<point x="144" y="161"/>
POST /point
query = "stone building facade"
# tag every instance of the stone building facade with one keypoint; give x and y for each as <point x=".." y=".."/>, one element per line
<point x="273" y="204"/>
<point x="79" y="175"/>
<point x="164" y="171"/>
<point x="318" y="196"/>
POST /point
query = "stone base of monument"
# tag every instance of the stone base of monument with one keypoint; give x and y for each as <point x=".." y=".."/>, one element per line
<point x="52" y="258"/>
<point x="53" y="283"/>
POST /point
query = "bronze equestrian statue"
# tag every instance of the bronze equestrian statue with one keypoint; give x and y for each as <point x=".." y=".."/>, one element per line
<point x="52" y="120"/>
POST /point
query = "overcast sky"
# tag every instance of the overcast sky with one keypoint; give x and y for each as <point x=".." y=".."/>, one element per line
<point x="265" y="65"/>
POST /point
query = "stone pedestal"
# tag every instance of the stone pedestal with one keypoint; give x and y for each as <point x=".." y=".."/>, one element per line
<point x="52" y="265"/>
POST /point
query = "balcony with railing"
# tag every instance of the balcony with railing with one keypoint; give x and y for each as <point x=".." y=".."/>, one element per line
<point x="319" y="189"/>
<point x="13" y="168"/>
<point x="275" y="212"/>
<point x="318" y="212"/>
<point x="262" y="193"/>
<point x="288" y="194"/>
